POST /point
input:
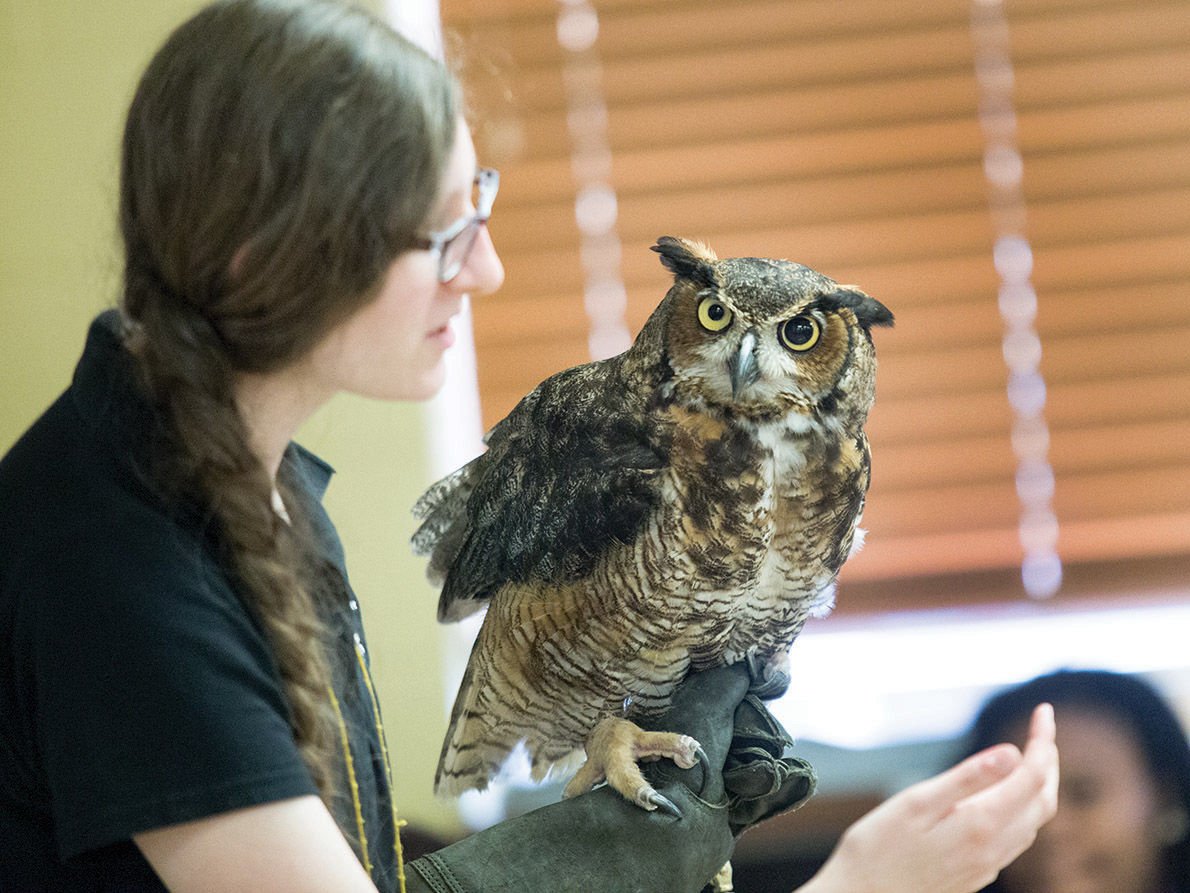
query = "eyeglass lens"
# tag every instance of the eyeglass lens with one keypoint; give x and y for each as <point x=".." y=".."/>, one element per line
<point x="455" y="252"/>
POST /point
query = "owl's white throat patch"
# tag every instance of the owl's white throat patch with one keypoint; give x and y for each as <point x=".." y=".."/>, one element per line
<point x="786" y="440"/>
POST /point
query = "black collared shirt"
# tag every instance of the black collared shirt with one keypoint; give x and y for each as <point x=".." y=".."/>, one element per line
<point x="136" y="691"/>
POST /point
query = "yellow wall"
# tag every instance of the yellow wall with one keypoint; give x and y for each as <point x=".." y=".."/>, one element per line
<point x="67" y="72"/>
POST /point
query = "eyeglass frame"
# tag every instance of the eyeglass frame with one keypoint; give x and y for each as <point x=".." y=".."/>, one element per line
<point x="488" y="181"/>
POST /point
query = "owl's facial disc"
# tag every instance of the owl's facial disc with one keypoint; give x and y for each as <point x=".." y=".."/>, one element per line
<point x="742" y="366"/>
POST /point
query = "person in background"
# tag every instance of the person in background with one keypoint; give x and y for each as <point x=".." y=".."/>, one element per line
<point x="1123" y="819"/>
<point x="185" y="696"/>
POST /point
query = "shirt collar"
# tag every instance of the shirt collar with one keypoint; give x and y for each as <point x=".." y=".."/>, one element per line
<point x="109" y="401"/>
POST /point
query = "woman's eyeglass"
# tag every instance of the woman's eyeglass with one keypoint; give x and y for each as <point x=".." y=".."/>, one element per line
<point x="453" y="245"/>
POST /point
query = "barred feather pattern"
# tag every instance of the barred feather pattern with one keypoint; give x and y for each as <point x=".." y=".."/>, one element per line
<point x="549" y="663"/>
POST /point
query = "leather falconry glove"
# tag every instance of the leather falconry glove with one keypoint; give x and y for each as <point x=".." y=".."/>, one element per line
<point x="598" y="841"/>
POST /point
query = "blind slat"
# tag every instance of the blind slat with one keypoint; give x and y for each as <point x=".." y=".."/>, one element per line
<point x="961" y="458"/>
<point x="962" y="552"/>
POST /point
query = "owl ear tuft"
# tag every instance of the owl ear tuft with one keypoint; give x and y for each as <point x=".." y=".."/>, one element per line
<point x="688" y="259"/>
<point x="867" y="309"/>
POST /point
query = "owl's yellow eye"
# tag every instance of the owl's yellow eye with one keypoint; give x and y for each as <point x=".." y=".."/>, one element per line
<point x="713" y="315"/>
<point x="800" y="333"/>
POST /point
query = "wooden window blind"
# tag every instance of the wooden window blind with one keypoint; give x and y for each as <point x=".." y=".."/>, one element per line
<point x="847" y="136"/>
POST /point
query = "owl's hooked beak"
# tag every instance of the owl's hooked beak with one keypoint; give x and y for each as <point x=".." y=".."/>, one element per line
<point x="743" y="366"/>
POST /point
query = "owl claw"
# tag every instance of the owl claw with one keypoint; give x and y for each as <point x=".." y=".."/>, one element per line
<point x="770" y="676"/>
<point x="653" y="800"/>
<point x="705" y="762"/>
<point x="614" y="749"/>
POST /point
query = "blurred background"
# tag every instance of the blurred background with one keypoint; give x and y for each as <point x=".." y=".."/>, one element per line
<point x="1011" y="179"/>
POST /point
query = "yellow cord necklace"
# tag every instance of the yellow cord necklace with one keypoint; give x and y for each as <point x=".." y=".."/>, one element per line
<point x="353" y="782"/>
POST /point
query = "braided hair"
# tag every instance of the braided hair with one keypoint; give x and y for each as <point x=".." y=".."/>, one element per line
<point x="278" y="154"/>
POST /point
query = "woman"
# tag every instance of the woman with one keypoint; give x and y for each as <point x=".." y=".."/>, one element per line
<point x="1123" y="819"/>
<point x="185" y="701"/>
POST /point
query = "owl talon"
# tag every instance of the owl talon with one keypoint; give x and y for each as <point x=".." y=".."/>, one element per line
<point x="770" y="676"/>
<point x="614" y="748"/>
<point x="653" y="800"/>
<point x="705" y="762"/>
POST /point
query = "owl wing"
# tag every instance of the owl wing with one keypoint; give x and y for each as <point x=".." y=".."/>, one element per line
<point x="572" y="469"/>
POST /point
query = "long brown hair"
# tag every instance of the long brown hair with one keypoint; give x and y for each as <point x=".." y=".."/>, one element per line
<point x="278" y="155"/>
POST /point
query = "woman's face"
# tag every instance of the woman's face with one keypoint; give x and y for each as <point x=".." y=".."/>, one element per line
<point x="1102" y="838"/>
<point x="392" y="347"/>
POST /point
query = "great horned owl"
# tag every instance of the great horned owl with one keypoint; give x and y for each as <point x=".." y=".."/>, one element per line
<point x="685" y="504"/>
